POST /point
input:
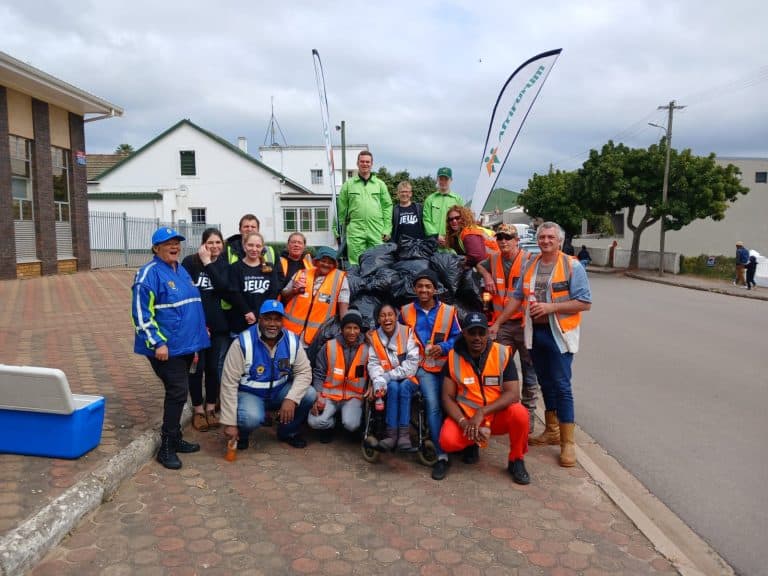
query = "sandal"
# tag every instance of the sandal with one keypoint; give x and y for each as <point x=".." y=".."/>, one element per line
<point x="213" y="419"/>
<point x="199" y="422"/>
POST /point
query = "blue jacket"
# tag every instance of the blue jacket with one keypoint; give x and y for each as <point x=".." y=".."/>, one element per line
<point x="742" y="255"/>
<point x="167" y="310"/>
<point x="264" y="374"/>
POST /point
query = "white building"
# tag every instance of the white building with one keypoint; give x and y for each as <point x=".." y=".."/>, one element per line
<point x="190" y="174"/>
<point x="308" y="165"/>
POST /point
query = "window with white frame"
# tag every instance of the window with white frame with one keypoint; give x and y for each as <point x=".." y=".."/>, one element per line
<point x="197" y="215"/>
<point x="317" y="176"/>
<point x="321" y="219"/>
<point x="60" y="167"/>
<point x="289" y="220"/>
<point x="305" y="219"/>
<point x="21" y="177"/>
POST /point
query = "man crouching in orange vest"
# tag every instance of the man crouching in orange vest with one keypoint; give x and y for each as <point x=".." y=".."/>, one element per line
<point x="481" y="397"/>
<point x="315" y="295"/>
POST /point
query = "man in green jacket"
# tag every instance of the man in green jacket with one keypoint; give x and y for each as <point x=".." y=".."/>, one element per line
<point x="365" y="208"/>
<point x="438" y="203"/>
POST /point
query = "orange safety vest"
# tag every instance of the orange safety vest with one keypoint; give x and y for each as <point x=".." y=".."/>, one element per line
<point x="403" y="333"/>
<point x="559" y="285"/>
<point x="446" y="316"/>
<point x="505" y="285"/>
<point x="305" y="312"/>
<point x="488" y="238"/>
<point x="343" y="383"/>
<point x="308" y="264"/>
<point x="474" y="390"/>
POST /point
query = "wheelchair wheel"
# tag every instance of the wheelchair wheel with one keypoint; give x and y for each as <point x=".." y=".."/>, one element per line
<point x="370" y="454"/>
<point x="428" y="454"/>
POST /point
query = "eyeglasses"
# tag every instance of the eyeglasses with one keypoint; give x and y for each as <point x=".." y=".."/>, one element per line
<point x="454" y="218"/>
<point x="505" y="237"/>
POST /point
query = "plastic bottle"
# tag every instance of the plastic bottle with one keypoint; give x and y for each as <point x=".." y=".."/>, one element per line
<point x="193" y="366"/>
<point x="302" y="275"/>
<point x="231" y="454"/>
<point x="484" y="433"/>
<point x="379" y="404"/>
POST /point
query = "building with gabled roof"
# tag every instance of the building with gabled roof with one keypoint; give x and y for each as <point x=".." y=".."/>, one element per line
<point x="43" y="204"/>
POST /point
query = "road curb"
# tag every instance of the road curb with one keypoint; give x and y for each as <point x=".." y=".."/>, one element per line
<point x="727" y="292"/>
<point x="28" y="543"/>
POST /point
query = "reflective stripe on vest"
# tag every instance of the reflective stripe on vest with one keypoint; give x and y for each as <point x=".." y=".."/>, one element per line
<point x="403" y="333"/>
<point x="442" y="327"/>
<point x="473" y="390"/>
<point x="559" y="288"/>
<point x="340" y="382"/>
<point x="254" y="382"/>
<point x="305" y="312"/>
<point x="505" y="284"/>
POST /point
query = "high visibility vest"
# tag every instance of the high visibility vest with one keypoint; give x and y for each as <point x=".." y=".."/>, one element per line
<point x="446" y="315"/>
<point x="403" y="333"/>
<point x="559" y="287"/>
<point x="505" y="284"/>
<point x="488" y="237"/>
<point x="305" y="312"/>
<point x="344" y="382"/>
<point x="264" y="374"/>
<point x="474" y="390"/>
<point x="307" y="263"/>
<point x="268" y="254"/>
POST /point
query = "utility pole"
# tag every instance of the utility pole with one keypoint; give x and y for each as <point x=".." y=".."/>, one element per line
<point x="343" y="151"/>
<point x="671" y="107"/>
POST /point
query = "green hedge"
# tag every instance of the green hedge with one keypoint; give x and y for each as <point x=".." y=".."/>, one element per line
<point x="697" y="266"/>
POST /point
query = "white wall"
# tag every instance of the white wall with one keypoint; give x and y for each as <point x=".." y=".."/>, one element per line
<point x="297" y="162"/>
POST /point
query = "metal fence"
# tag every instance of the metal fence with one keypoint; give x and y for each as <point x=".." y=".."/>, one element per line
<point x="121" y="240"/>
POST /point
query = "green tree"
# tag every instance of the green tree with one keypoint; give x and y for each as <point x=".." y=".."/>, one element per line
<point x="124" y="150"/>
<point x="619" y="177"/>
<point x="551" y="198"/>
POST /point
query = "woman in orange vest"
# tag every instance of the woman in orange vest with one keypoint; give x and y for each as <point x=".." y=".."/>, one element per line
<point x="468" y="239"/>
<point x="481" y="397"/>
<point x="294" y="258"/>
<point x="339" y="375"/>
<point x="392" y="365"/>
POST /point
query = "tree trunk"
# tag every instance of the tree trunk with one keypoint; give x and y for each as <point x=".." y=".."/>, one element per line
<point x="637" y="231"/>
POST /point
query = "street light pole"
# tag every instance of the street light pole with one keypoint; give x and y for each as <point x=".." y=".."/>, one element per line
<point x="343" y="129"/>
<point x="665" y="186"/>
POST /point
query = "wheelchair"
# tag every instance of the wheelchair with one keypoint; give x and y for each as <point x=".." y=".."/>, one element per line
<point x="374" y="429"/>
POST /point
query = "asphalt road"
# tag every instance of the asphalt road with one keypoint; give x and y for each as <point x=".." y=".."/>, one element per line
<point x="673" y="383"/>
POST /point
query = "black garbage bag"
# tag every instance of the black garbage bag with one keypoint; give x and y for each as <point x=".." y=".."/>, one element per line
<point x="416" y="248"/>
<point x="470" y="289"/>
<point x="366" y="304"/>
<point x="355" y="281"/>
<point x="449" y="268"/>
<point x="327" y="330"/>
<point x="381" y="282"/>
<point x="380" y="256"/>
<point x="410" y="267"/>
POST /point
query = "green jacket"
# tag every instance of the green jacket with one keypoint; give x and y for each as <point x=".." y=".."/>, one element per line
<point x="436" y="208"/>
<point x="366" y="205"/>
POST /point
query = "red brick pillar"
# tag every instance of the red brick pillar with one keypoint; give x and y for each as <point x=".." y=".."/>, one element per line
<point x="78" y="187"/>
<point x="42" y="189"/>
<point x="8" y="247"/>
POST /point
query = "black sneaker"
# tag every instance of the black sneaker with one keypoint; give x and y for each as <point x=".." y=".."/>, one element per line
<point x="440" y="469"/>
<point x="242" y="443"/>
<point x="471" y="454"/>
<point x="184" y="447"/>
<point x="519" y="474"/>
<point x="295" y="441"/>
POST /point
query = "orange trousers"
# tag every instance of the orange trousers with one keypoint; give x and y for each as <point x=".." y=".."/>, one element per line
<point x="512" y="421"/>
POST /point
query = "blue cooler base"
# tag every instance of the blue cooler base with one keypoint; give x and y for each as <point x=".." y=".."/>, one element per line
<point x="53" y="435"/>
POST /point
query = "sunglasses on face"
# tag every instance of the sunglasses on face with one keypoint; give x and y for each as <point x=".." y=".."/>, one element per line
<point x="454" y="218"/>
<point x="505" y="237"/>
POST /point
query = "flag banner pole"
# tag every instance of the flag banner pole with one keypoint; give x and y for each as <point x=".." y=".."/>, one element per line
<point x="320" y="79"/>
<point x="509" y="113"/>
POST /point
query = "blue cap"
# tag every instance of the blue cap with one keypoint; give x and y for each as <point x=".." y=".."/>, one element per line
<point x="474" y="320"/>
<point x="272" y="307"/>
<point x="164" y="234"/>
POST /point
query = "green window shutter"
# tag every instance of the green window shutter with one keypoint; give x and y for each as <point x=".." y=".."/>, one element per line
<point x="188" y="163"/>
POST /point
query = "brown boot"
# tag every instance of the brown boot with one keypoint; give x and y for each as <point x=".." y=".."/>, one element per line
<point x="551" y="434"/>
<point x="390" y="440"/>
<point x="404" y="439"/>
<point x="567" y="445"/>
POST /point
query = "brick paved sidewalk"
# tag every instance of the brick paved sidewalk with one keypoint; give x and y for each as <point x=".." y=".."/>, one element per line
<point x="278" y="510"/>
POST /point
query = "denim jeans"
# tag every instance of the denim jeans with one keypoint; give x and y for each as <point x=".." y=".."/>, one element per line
<point x="431" y="385"/>
<point x="554" y="371"/>
<point x="251" y="410"/>
<point x="351" y="415"/>
<point x="399" y="393"/>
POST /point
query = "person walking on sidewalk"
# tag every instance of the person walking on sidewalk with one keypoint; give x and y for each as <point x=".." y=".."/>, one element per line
<point x="481" y="398"/>
<point x="553" y="291"/>
<point x="436" y="329"/>
<point x="742" y="259"/>
<point x="437" y="204"/>
<point x="751" y="269"/>
<point x="339" y="376"/>
<point x="392" y="366"/>
<point x="501" y="273"/>
<point x="169" y="322"/>
<point x="266" y="369"/>
<point x="365" y="209"/>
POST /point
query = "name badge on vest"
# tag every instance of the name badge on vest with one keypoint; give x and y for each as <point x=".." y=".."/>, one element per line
<point x="338" y="371"/>
<point x="469" y="380"/>
<point x="324" y="298"/>
<point x="490" y="380"/>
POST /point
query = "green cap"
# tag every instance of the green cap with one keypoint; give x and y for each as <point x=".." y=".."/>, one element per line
<point x="445" y="171"/>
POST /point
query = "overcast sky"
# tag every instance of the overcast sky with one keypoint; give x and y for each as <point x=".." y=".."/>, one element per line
<point x="414" y="80"/>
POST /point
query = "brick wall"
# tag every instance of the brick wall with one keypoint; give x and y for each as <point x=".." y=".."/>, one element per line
<point x="42" y="189"/>
<point x="79" y="195"/>
<point x="27" y="270"/>
<point x="67" y="266"/>
<point x="8" y="246"/>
